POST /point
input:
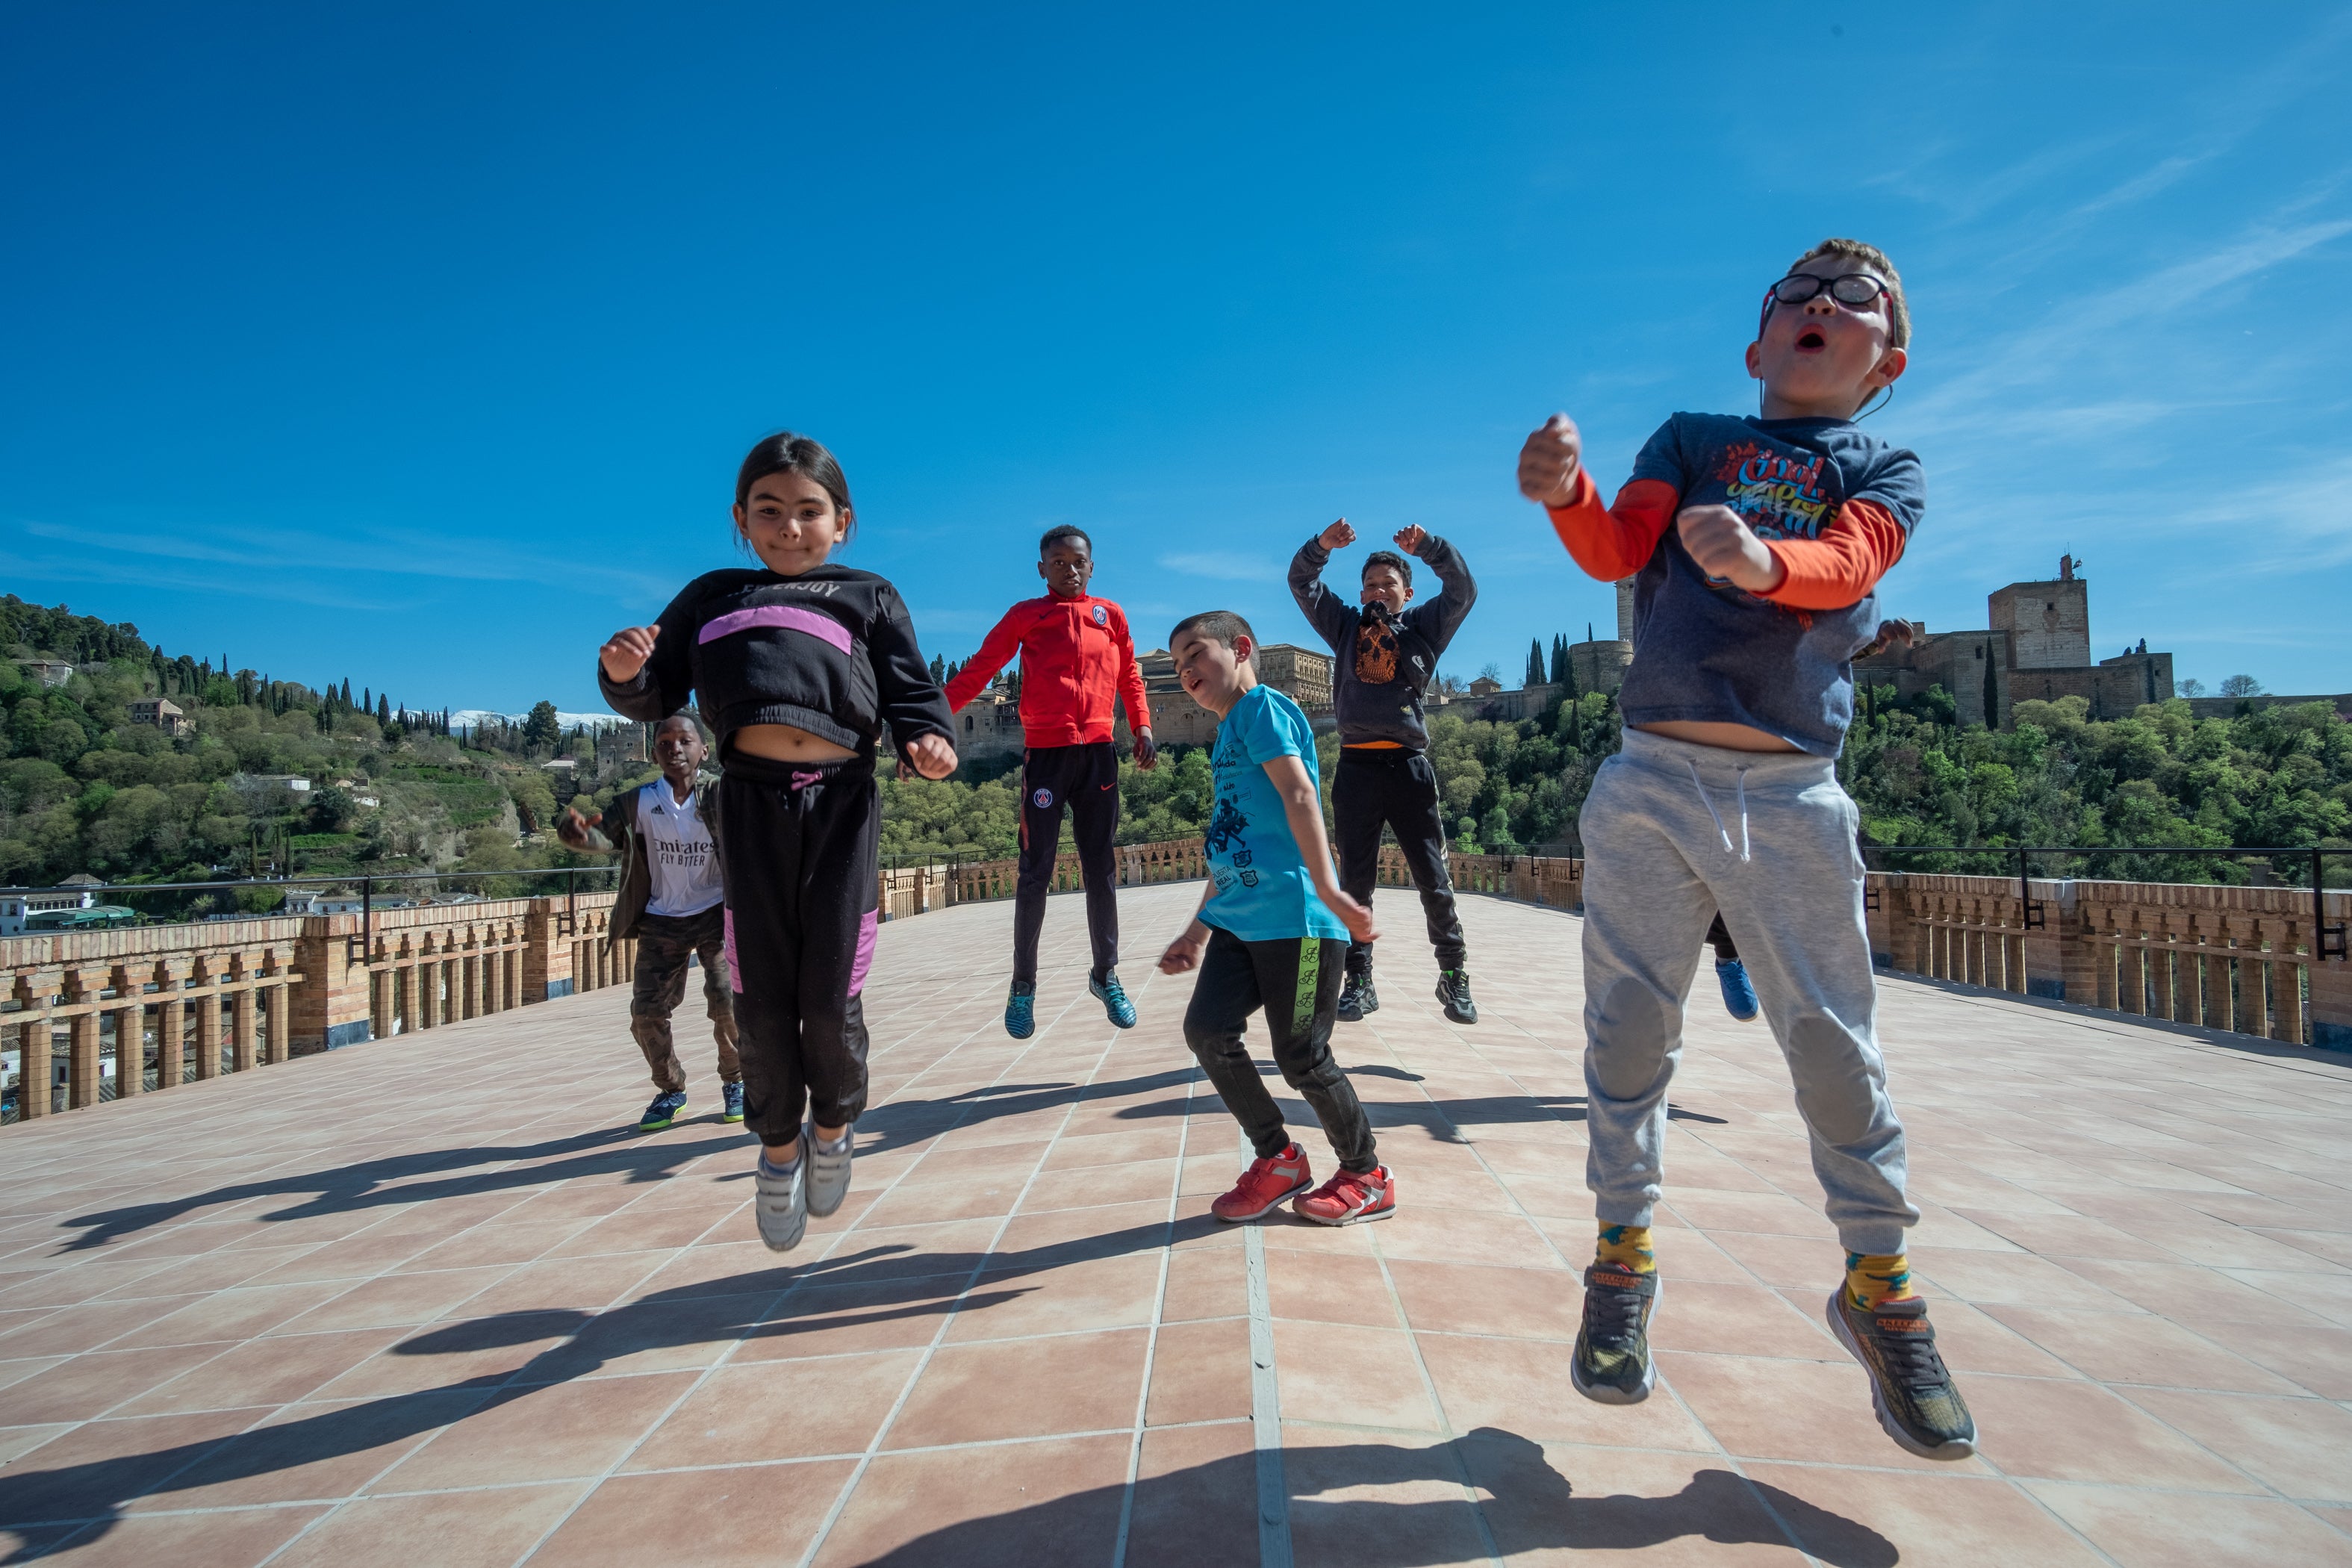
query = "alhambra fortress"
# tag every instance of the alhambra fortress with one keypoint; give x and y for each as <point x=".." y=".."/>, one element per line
<point x="331" y="1238"/>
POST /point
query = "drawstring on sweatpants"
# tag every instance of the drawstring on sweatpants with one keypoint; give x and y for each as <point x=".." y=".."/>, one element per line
<point x="1699" y="785"/>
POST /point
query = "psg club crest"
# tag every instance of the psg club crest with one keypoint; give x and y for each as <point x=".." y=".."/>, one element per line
<point x="1102" y="616"/>
<point x="1044" y="798"/>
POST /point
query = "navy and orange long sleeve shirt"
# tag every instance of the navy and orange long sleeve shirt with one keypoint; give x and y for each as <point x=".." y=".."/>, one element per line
<point x="1835" y="506"/>
<point x="1078" y="659"/>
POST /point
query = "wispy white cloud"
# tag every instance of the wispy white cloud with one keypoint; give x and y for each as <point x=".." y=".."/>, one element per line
<point x="1990" y="397"/>
<point x="316" y="567"/>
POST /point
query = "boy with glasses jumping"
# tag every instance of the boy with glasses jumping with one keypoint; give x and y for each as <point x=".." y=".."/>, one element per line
<point x="1755" y="543"/>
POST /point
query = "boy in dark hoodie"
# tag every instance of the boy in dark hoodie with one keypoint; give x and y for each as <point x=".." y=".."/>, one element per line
<point x="1387" y="649"/>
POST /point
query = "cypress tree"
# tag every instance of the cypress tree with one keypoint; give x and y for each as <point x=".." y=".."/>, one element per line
<point x="1535" y="662"/>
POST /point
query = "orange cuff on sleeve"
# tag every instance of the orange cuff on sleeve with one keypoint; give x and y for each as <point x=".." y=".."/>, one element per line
<point x="1616" y="541"/>
<point x="1841" y="566"/>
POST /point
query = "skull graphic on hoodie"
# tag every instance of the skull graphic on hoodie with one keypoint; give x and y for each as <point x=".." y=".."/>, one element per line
<point x="1376" y="647"/>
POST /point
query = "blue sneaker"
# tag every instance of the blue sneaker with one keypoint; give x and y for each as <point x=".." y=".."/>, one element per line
<point x="1021" y="1010"/>
<point x="1113" y="997"/>
<point x="661" y="1112"/>
<point x="734" y="1095"/>
<point x="1738" y="996"/>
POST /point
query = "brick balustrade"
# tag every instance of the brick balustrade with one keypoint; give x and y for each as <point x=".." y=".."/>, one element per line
<point x="197" y="1000"/>
<point x="2243" y="960"/>
<point x="227" y="996"/>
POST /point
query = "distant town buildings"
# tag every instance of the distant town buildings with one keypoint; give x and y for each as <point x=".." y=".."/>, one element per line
<point x="16" y="904"/>
<point x="48" y="671"/>
<point x="166" y="716"/>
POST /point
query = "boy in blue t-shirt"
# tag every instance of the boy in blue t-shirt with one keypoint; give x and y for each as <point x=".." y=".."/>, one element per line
<point x="1754" y="544"/>
<point x="1272" y="932"/>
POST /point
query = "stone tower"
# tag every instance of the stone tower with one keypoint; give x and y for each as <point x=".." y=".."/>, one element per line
<point x="2050" y="622"/>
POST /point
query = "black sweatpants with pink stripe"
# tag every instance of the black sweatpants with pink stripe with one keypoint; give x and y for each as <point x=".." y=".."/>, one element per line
<point x="800" y="845"/>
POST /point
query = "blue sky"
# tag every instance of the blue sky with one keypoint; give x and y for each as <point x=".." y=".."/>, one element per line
<point x="418" y="343"/>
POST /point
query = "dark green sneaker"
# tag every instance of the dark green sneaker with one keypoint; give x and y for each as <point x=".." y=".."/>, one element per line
<point x="1356" y="997"/>
<point x="1908" y="1382"/>
<point x="1454" y="990"/>
<point x="1613" y="1363"/>
<point x="661" y="1113"/>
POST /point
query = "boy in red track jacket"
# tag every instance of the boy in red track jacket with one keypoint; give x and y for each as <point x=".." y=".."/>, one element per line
<point x="1076" y="659"/>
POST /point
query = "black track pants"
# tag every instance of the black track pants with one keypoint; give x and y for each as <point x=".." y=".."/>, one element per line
<point x="1296" y="981"/>
<point x="1396" y="789"/>
<point x="1085" y="779"/>
<point x="1720" y="936"/>
<point x="800" y="845"/>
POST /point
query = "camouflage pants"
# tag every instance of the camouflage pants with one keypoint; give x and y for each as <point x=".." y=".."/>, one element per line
<point x="664" y="944"/>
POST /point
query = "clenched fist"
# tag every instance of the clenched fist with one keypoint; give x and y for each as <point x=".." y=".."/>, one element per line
<point x="1547" y="463"/>
<point x="626" y="651"/>
<point x="1338" y="536"/>
<point x="1726" y="549"/>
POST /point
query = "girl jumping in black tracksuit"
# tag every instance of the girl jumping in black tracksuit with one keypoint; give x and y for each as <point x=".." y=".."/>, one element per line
<point x="796" y="668"/>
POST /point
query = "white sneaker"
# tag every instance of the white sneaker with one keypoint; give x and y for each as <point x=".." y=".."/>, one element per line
<point x="780" y="1202"/>
<point x="828" y="1170"/>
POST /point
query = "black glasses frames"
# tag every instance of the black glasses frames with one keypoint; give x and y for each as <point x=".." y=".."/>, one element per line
<point x="1856" y="288"/>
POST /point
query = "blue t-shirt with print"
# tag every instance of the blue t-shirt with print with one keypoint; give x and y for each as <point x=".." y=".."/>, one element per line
<point x="1264" y="893"/>
<point x="1704" y="650"/>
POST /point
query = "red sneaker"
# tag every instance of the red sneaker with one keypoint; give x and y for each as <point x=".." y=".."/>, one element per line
<point x="1348" y="1197"/>
<point x="1265" y="1184"/>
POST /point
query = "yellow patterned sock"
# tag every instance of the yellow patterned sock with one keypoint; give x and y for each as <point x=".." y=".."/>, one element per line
<point x="1627" y="1246"/>
<point x="1872" y="1277"/>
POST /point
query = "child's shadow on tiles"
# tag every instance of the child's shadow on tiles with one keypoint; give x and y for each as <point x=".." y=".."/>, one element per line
<point x="1207" y="1513"/>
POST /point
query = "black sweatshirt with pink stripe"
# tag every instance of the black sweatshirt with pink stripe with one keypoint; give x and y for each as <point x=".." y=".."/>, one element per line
<point x="830" y="651"/>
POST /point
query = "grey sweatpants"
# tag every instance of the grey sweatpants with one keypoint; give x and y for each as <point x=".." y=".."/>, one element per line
<point x="1673" y="832"/>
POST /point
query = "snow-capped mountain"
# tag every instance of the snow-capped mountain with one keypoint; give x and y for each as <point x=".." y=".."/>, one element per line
<point x="471" y="718"/>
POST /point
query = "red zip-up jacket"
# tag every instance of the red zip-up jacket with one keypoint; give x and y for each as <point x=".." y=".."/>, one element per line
<point x="1076" y="659"/>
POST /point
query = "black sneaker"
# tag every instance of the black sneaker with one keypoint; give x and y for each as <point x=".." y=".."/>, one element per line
<point x="1908" y="1382"/>
<point x="1611" y="1364"/>
<point x="1454" y="990"/>
<point x="1356" y="997"/>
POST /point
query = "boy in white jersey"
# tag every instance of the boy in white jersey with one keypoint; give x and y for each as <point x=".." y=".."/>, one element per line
<point x="672" y="902"/>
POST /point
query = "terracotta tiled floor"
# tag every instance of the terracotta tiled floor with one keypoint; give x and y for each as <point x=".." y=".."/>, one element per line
<point x="433" y="1300"/>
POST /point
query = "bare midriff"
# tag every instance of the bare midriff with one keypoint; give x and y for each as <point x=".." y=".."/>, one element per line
<point x="1706" y="733"/>
<point x="786" y="743"/>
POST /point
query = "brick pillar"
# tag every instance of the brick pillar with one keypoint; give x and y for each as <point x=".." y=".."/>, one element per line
<point x="242" y="1034"/>
<point x="330" y="1007"/>
<point x="81" y="1039"/>
<point x="546" y="956"/>
<point x="208" y="1022"/>
<point x="403" y="983"/>
<point x="129" y="1032"/>
<point x="171" y="1020"/>
<point x="2331" y="984"/>
<point x="274" y="1014"/>
<point x="2058" y="962"/>
<point x="1879" y="921"/>
<point x="35" y="1045"/>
